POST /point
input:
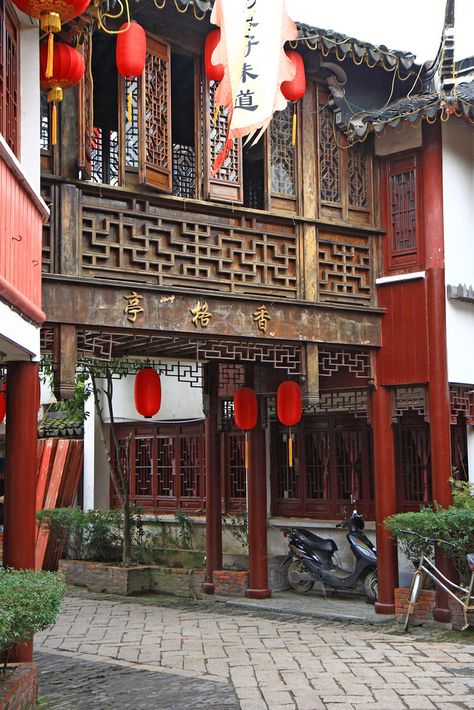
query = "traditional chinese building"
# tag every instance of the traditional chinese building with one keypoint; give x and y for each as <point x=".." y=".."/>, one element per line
<point x="22" y="212"/>
<point x="325" y="261"/>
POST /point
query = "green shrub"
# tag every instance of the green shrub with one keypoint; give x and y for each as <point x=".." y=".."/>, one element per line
<point x="454" y="524"/>
<point x="29" y="602"/>
<point x="90" y="534"/>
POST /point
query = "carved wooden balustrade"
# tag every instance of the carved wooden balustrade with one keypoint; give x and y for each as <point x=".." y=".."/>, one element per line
<point x="102" y="232"/>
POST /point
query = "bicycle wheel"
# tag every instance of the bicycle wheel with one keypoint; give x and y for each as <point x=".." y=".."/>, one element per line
<point x="416" y="586"/>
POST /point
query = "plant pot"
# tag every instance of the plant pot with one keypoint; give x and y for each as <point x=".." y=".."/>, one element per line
<point x="424" y="607"/>
<point x="457" y="615"/>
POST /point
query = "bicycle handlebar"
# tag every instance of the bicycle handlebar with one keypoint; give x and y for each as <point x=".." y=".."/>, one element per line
<point x="433" y="540"/>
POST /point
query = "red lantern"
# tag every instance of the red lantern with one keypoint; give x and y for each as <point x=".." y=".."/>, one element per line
<point x="69" y="68"/>
<point x="294" y="90"/>
<point x="245" y="408"/>
<point x="147" y="392"/>
<point x="214" y="72"/>
<point x="51" y="13"/>
<point x="289" y="406"/>
<point x="3" y="403"/>
<point x="130" y="51"/>
<point x="245" y="415"/>
<point x="289" y="410"/>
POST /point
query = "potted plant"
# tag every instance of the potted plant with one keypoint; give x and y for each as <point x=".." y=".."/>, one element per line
<point x="29" y="602"/>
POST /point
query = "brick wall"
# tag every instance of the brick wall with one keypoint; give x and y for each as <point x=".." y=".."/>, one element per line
<point x="457" y="616"/>
<point x="99" y="577"/>
<point x="230" y="583"/>
<point x="424" y="606"/>
<point x="18" y="691"/>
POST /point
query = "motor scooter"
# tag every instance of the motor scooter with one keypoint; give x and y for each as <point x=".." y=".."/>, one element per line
<point x="312" y="558"/>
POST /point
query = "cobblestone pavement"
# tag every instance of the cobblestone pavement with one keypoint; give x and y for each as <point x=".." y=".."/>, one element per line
<point x="105" y="653"/>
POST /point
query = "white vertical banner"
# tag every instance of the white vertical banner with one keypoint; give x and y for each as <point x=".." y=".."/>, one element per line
<point x="253" y="33"/>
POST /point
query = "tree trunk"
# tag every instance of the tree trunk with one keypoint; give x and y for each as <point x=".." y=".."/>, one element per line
<point x="127" y="533"/>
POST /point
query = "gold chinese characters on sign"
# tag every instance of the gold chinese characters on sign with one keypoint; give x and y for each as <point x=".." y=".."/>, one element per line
<point x="261" y="316"/>
<point x="133" y="307"/>
<point x="201" y="315"/>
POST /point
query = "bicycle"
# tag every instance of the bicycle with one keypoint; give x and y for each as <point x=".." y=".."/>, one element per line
<point x="427" y="567"/>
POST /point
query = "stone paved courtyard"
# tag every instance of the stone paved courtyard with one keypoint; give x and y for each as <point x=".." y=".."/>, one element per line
<point x="107" y="653"/>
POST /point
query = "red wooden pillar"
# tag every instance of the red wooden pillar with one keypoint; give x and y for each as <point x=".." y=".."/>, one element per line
<point x="440" y="427"/>
<point x="257" y="516"/>
<point x="213" y="479"/>
<point x="21" y="437"/>
<point x="385" y="500"/>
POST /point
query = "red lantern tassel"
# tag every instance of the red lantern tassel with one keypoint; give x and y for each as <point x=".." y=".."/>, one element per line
<point x="129" y="106"/>
<point x="54" y="123"/>
<point x="290" y="450"/>
<point x="48" y="72"/>
<point x="246" y="451"/>
<point x="293" y="132"/>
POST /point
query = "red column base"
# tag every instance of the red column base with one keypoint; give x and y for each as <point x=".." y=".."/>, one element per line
<point x="440" y="614"/>
<point x="258" y="593"/>
<point x="208" y="587"/>
<point x="384" y="608"/>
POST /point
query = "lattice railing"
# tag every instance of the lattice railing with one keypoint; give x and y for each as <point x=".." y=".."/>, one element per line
<point x="154" y="244"/>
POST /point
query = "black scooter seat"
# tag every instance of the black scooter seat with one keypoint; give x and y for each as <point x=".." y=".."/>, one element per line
<point x="317" y="543"/>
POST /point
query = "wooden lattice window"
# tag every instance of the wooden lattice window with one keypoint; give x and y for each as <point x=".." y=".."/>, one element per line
<point x="227" y="183"/>
<point x="413" y="452"/>
<point x="344" y="171"/>
<point x="283" y="185"/>
<point x="403" y="245"/>
<point x="333" y="465"/>
<point x="155" y="114"/>
<point x="166" y="465"/>
<point x="9" y="78"/>
<point x="234" y="482"/>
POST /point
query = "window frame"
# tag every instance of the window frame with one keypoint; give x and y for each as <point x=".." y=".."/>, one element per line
<point x="330" y="507"/>
<point x="412" y="258"/>
<point x="10" y="31"/>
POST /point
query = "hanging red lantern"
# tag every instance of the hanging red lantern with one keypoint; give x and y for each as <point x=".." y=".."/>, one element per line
<point x="214" y="72"/>
<point x="51" y="13"/>
<point x="294" y="90"/>
<point x="130" y="55"/>
<point x="3" y="403"/>
<point x="289" y="410"/>
<point x="245" y="416"/>
<point x="69" y="68"/>
<point x="130" y="50"/>
<point x="245" y="408"/>
<point x="147" y="392"/>
<point x="289" y="406"/>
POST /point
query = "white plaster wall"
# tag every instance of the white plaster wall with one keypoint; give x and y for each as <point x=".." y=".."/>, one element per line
<point x="458" y="207"/>
<point x="178" y="401"/>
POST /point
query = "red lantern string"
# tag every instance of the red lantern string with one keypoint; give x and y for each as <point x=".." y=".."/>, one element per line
<point x="147" y="392"/>
<point x="289" y="410"/>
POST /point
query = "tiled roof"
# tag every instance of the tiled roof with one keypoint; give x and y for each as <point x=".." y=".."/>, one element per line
<point x="459" y="100"/>
<point x="330" y="41"/>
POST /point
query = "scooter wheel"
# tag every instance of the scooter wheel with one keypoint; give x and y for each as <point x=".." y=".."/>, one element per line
<point x="299" y="578"/>
<point x="371" y="587"/>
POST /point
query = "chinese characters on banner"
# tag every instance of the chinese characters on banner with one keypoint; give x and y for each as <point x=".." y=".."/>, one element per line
<point x="253" y="33"/>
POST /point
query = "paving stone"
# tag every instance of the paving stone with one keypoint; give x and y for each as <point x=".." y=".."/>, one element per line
<point x="172" y="655"/>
